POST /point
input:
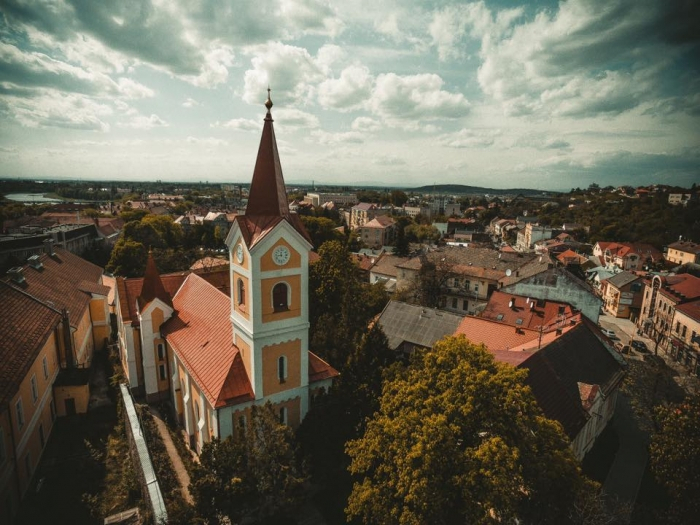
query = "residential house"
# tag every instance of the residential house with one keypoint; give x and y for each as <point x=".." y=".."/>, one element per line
<point x="627" y="256"/>
<point x="685" y="336"/>
<point x="558" y="284"/>
<point x="55" y="313"/>
<point x="385" y="270"/>
<point x="662" y="297"/>
<point x="675" y="199"/>
<point x="533" y="232"/>
<point x="213" y="355"/>
<point x="339" y="199"/>
<point x="683" y="252"/>
<point x="409" y="327"/>
<point x="468" y="276"/>
<point x="622" y="295"/>
<point x="452" y="209"/>
<point x="378" y="232"/>
<point x="362" y="213"/>
<point x="573" y="373"/>
<point x="415" y="211"/>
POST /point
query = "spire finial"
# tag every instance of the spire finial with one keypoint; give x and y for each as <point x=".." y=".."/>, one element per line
<point x="268" y="102"/>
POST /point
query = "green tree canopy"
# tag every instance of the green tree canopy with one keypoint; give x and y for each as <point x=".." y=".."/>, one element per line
<point x="253" y="475"/>
<point x="321" y="229"/>
<point x="459" y="438"/>
<point x="128" y="258"/>
<point x="674" y="456"/>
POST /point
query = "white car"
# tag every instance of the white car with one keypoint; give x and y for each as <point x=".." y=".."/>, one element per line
<point x="609" y="333"/>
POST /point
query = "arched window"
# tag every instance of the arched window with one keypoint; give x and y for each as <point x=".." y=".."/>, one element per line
<point x="283" y="415"/>
<point x="241" y="292"/>
<point x="280" y="299"/>
<point x="282" y="368"/>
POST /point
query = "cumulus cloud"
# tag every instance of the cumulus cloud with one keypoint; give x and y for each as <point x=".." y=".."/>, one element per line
<point x="327" y="138"/>
<point x="415" y="97"/>
<point x="207" y="141"/>
<point x="290" y="71"/>
<point x="144" y="122"/>
<point x="583" y="60"/>
<point x="52" y="109"/>
<point x="348" y="92"/>
<point x="190" y="103"/>
<point x="241" y="124"/>
<point x="295" y="119"/>
<point x="365" y="124"/>
<point x="469" y="138"/>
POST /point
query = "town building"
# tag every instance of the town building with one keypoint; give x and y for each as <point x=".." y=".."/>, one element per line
<point x="627" y="256"/>
<point x="378" y="232"/>
<point x="339" y="199"/>
<point x="530" y="234"/>
<point x="683" y="252"/>
<point x="622" y="295"/>
<point x="55" y="314"/>
<point x="214" y="356"/>
<point x="663" y="295"/>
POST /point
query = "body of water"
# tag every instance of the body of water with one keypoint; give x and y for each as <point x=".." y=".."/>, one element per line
<point x="30" y="198"/>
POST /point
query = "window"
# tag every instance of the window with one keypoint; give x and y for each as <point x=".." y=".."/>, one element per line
<point x="242" y="423"/>
<point x="280" y="300"/>
<point x="454" y="302"/>
<point x="20" y="413"/>
<point x="161" y="372"/>
<point x="35" y="389"/>
<point x="282" y="368"/>
<point x="161" y="351"/>
<point x="684" y="331"/>
<point x="45" y="365"/>
<point x="52" y="406"/>
<point x="283" y="415"/>
<point x="241" y="292"/>
<point x="465" y="304"/>
<point x="499" y="317"/>
<point x="678" y="326"/>
<point x="42" y="439"/>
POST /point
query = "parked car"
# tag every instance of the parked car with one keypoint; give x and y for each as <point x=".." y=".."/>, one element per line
<point x="608" y="332"/>
<point x="640" y="346"/>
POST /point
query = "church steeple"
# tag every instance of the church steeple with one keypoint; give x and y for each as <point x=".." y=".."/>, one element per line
<point x="268" y="195"/>
<point x="152" y="285"/>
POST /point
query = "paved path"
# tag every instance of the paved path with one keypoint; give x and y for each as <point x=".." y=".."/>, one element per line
<point x="627" y="470"/>
<point x="178" y="466"/>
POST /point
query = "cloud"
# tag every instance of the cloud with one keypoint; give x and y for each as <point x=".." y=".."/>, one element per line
<point x="469" y="138"/>
<point x="53" y="109"/>
<point x="295" y="119"/>
<point x="365" y="124"/>
<point x="348" y="137"/>
<point x="190" y="103"/>
<point x="241" y="124"/>
<point x="541" y="141"/>
<point x="144" y="122"/>
<point x="416" y="97"/>
<point x="207" y="141"/>
<point x="348" y="92"/>
<point x="586" y="59"/>
<point x="290" y="71"/>
<point x="388" y="160"/>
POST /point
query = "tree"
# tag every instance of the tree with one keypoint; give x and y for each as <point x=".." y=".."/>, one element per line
<point x="398" y="198"/>
<point x="674" y="456"/>
<point x="128" y="259"/>
<point x="321" y="229"/>
<point x="459" y="438"/>
<point x="401" y="247"/>
<point x="254" y="475"/>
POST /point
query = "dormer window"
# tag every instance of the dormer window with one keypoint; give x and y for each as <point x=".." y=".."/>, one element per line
<point x="280" y="297"/>
<point x="241" y="292"/>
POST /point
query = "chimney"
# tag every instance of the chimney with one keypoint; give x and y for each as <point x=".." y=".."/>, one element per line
<point x="48" y="247"/>
<point x="16" y="274"/>
<point x="35" y="262"/>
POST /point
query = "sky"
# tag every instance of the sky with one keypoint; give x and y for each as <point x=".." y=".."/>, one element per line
<point x="498" y="94"/>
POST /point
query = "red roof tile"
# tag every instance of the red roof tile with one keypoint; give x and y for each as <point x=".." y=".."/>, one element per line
<point x="152" y="287"/>
<point x="319" y="369"/>
<point x="200" y="334"/>
<point x="532" y="313"/>
<point x="26" y="326"/>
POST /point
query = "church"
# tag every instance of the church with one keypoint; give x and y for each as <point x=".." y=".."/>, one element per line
<point x="213" y="355"/>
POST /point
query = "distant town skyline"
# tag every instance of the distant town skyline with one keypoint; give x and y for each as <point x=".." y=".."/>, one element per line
<point x="543" y="95"/>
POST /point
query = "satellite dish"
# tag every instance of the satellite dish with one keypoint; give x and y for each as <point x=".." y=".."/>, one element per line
<point x="508" y="272"/>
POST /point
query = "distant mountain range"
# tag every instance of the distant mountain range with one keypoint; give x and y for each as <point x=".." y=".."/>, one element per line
<point x="475" y="190"/>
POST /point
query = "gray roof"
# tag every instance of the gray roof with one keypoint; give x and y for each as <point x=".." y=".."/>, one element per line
<point x="416" y="324"/>
<point x="622" y="279"/>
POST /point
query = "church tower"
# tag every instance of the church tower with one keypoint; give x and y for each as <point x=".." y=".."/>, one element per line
<point x="269" y="255"/>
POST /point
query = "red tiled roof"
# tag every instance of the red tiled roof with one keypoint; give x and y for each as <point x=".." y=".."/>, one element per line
<point x="681" y="287"/>
<point x="319" y="369"/>
<point x="200" y="334"/>
<point x="691" y="309"/>
<point x="128" y="289"/>
<point x="541" y="313"/>
<point x="91" y="287"/>
<point x="497" y="336"/>
<point x="255" y="228"/>
<point x="57" y="283"/>
<point x="152" y="286"/>
<point x="26" y="326"/>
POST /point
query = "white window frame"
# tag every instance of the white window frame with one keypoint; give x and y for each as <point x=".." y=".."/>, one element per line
<point x="35" y="388"/>
<point x="19" y="412"/>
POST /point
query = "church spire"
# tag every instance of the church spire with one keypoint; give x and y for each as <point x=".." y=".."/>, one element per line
<point x="268" y="195"/>
<point x="152" y="286"/>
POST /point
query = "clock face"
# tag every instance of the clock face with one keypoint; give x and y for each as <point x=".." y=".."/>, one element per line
<point x="239" y="253"/>
<point x="280" y="255"/>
